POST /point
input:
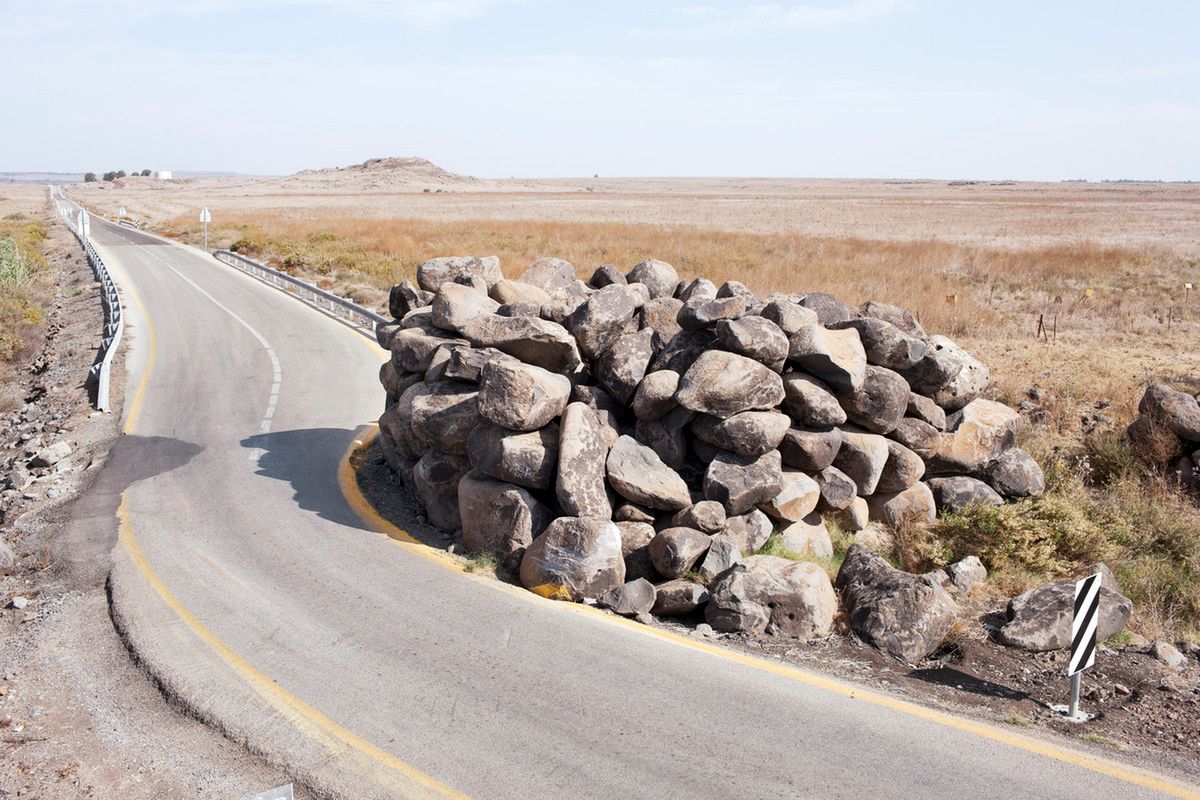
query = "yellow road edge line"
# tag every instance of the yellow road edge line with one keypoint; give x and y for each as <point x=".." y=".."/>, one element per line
<point x="304" y="717"/>
<point x="380" y="524"/>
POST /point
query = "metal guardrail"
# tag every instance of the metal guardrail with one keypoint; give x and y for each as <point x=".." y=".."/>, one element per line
<point x="110" y="299"/>
<point x="363" y="319"/>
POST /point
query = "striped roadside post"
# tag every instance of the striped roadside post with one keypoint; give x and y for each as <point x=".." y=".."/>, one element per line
<point x="1083" y="635"/>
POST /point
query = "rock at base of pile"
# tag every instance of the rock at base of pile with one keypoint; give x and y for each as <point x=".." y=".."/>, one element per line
<point x="1040" y="619"/>
<point x="766" y="594"/>
<point x="573" y="559"/>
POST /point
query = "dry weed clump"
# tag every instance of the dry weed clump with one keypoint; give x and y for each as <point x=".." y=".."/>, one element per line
<point x="21" y="263"/>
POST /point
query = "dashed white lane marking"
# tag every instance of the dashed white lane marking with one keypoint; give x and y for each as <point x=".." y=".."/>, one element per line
<point x="273" y="399"/>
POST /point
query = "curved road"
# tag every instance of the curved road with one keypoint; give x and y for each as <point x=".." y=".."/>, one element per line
<point x="250" y="589"/>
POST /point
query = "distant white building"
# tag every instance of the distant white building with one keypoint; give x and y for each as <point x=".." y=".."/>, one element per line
<point x="163" y="175"/>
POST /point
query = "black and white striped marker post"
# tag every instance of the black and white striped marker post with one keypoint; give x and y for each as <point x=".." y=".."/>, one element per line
<point x="1083" y="635"/>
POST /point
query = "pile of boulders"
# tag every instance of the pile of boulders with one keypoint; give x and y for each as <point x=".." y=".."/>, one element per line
<point x="635" y="439"/>
<point x="1167" y="431"/>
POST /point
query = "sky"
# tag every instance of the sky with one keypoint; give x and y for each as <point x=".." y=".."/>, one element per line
<point x="540" y="88"/>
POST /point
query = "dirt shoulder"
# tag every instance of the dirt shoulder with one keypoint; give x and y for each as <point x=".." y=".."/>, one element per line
<point x="1146" y="713"/>
<point x="77" y="717"/>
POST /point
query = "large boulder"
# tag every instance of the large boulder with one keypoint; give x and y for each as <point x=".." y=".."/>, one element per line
<point x="723" y="384"/>
<point x="632" y="599"/>
<point x="573" y="559"/>
<point x="975" y="435"/>
<point x="635" y="546"/>
<point x="639" y="475"/>
<point x="904" y="615"/>
<point x="750" y="531"/>
<point x="902" y="469"/>
<point x="497" y="517"/>
<point x="862" y="457"/>
<point x="413" y="348"/>
<point x="967" y="384"/>
<point x="435" y="481"/>
<point x="1040" y="619"/>
<point x="957" y="492"/>
<point x="837" y="357"/>
<point x="623" y="366"/>
<point x="788" y="315"/>
<point x="707" y="516"/>
<point x="518" y="294"/>
<point x="601" y="320"/>
<point x="405" y="296"/>
<point x="674" y="551"/>
<point x="549" y="274"/>
<point x="912" y="505"/>
<point x="454" y="305"/>
<point x="797" y="497"/>
<point x="828" y="308"/>
<point x="885" y="344"/>
<point x="701" y="313"/>
<point x="666" y="436"/>
<point x="1015" y="474"/>
<point x="661" y="315"/>
<point x="740" y="483"/>
<point x="435" y="272"/>
<point x="808" y="537"/>
<point x="749" y="434"/>
<point x="1179" y="411"/>
<point x="754" y="337"/>
<point x="895" y="315"/>
<point x="811" y="402"/>
<point x="535" y="341"/>
<point x="658" y="276"/>
<point x="879" y="405"/>
<point x="467" y="363"/>
<point x="837" y="489"/>
<point x="678" y="597"/>
<point x="924" y="409"/>
<point x="521" y="397"/>
<point x="680" y="352"/>
<point x="810" y="450"/>
<point x="724" y="551"/>
<point x="918" y="436"/>
<point x="526" y="459"/>
<point x="443" y="414"/>
<point x="582" y="451"/>
<point x="766" y="594"/>
<point x="934" y="372"/>
<point x="655" y="395"/>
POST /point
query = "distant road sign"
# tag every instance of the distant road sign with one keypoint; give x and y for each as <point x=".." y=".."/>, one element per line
<point x="1083" y="625"/>
<point x="122" y="211"/>
<point x="205" y="216"/>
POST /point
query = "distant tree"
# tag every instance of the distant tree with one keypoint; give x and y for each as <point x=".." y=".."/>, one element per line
<point x="110" y="176"/>
<point x="120" y="173"/>
<point x="145" y="173"/>
<point x="89" y="177"/>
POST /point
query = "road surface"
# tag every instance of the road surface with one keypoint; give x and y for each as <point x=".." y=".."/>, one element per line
<point x="250" y="589"/>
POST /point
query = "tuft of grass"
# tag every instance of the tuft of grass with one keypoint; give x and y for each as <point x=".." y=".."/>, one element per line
<point x="1095" y="738"/>
<point x="841" y="543"/>
<point x="1016" y="720"/>
<point x="485" y="563"/>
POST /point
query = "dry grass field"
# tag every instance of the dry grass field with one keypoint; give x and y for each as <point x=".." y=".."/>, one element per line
<point x="1102" y="266"/>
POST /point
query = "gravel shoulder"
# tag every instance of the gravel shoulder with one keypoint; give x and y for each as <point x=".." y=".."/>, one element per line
<point x="78" y="718"/>
<point x="1146" y="714"/>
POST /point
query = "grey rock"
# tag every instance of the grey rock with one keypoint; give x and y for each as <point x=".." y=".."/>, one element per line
<point x="902" y="469"/>
<point x="895" y="315"/>
<point x="738" y="289"/>
<point x="698" y="289"/>
<point x="432" y="274"/>
<point x="655" y="395"/>
<point x="1168" y="654"/>
<point x="918" y="436"/>
<point x="639" y="475"/>
<point x="965" y="386"/>
<point x="811" y="402"/>
<point x="573" y="559"/>
<point x="748" y="434"/>
<point x="966" y="574"/>
<point x="525" y="459"/>
<point x="765" y="594"/>
<point x="535" y="341"/>
<point x="751" y="531"/>
<point x="667" y="436"/>
<point x="960" y="491"/>
<point x="681" y="350"/>
<point x="723" y="384"/>
<point x="413" y="348"/>
<point x="885" y="344"/>
<point x="855" y="517"/>
<point x="700" y="313"/>
<point x="741" y="484"/>
<point x="443" y="414"/>
<point x="679" y="597"/>
<point x="880" y="403"/>
<point x="862" y="457"/>
<point x="582" y="452"/>
<point x="404" y="297"/>
<point x="975" y="435"/>
<point x="661" y="315"/>
<point x="829" y="309"/>
<point x="1040" y="619"/>
<point x="933" y="372"/>
<point x="789" y="315"/>
<point x="754" y="337"/>
<point x="836" y="357"/>
<point x="904" y="615"/>
<point x="913" y="505"/>
<point x="798" y="497"/>
<point x="549" y="274"/>
<point x="598" y="323"/>
<point x="518" y="294"/>
<point x="630" y="599"/>
<point x="1015" y="474"/>
<point x="837" y="489"/>
<point x="926" y="410"/>
<point x="635" y="545"/>
<point x="49" y="456"/>
<point x="454" y="305"/>
<point x="435" y="480"/>
<point x="606" y="275"/>
<point x="623" y="366"/>
<point x="497" y="517"/>
<point x="629" y="512"/>
<point x="521" y="397"/>
<point x="707" y="516"/>
<point x="658" y="276"/>
<point x="674" y="551"/>
<point x="1178" y="410"/>
<point x="466" y="363"/>
<point x="808" y="537"/>
<point x="723" y="553"/>
<point x="810" y="450"/>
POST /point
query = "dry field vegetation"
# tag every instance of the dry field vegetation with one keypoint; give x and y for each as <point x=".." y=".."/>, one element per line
<point x="1103" y="266"/>
<point x="23" y="278"/>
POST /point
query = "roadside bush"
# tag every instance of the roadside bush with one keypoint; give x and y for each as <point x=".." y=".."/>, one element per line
<point x="20" y="263"/>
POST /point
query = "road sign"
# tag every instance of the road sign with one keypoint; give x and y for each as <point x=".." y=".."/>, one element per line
<point x="205" y="216"/>
<point x="1083" y="625"/>
<point x="121" y="213"/>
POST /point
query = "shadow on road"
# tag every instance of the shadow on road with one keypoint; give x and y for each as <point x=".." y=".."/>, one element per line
<point x="308" y="459"/>
<point x="948" y="676"/>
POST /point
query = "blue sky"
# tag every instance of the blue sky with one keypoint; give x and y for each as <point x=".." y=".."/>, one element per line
<point x="496" y="88"/>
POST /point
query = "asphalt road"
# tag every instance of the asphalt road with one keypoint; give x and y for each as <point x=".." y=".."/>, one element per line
<point x="245" y="583"/>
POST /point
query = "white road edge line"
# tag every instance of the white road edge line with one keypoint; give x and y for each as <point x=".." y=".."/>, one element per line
<point x="277" y="371"/>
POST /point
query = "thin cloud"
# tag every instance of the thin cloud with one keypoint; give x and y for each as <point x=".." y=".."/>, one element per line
<point x="701" y="20"/>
